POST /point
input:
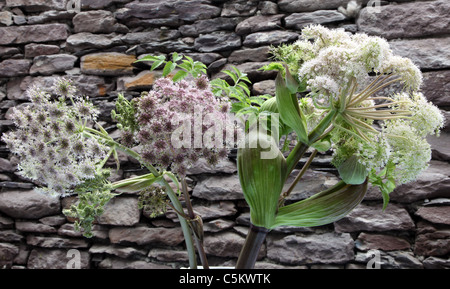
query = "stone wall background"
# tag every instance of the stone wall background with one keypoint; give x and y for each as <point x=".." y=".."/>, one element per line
<point x="41" y="39"/>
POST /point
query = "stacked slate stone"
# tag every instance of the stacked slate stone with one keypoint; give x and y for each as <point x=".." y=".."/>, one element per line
<point x="96" y="43"/>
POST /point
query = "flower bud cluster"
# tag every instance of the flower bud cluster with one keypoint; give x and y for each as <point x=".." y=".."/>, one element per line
<point x="49" y="139"/>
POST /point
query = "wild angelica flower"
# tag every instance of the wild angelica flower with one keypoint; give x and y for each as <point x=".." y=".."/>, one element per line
<point x="173" y="119"/>
<point x="49" y="140"/>
<point x="346" y="75"/>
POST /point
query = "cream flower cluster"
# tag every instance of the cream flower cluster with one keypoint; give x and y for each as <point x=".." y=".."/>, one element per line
<point x="335" y="59"/>
<point x="347" y="74"/>
<point x="401" y="142"/>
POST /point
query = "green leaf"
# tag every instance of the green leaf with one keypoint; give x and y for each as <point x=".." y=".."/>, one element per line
<point x="244" y="87"/>
<point x="168" y="68"/>
<point x="186" y="65"/>
<point x="135" y="184"/>
<point x="189" y="59"/>
<point x="322" y="208"/>
<point x="270" y="105"/>
<point x="238" y="72"/>
<point x="174" y="179"/>
<point x="291" y="83"/>
<point x="352" y="172"/>
<point x="151" y="58"/>
<point x="237" y="106"/>
<point x="302" y="86"/>
<point x="323" y="145"/>
<point x="289" y="110"/>
<point x="385" y="181"/>
<point x="273" y="66"/>
<point x="176" y="57"/>
<point x="156" y="64"/>
<point x="116" y="158"/>
<point x="179" y="75"/>
<point x="232" y="75"/>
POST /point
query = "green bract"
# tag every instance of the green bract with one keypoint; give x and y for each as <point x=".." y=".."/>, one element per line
<point x="261" y="178"/>
<point x="322" y="208"/>
<point x="288" y="108"/>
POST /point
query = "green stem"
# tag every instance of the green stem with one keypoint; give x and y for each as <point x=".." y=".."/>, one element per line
<point x="253" y="242"/>
<point x="172" y="195"/>
<point x="300" y="148"/>
<point x="184" y="225"/>
<point x="297" y="179"/>
<point x="294" y="157"/>
<point x="317" y="132"/>
<point x="197" y="226"/>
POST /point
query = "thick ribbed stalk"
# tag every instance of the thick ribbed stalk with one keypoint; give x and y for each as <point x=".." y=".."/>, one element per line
<point x="249" y="253"/>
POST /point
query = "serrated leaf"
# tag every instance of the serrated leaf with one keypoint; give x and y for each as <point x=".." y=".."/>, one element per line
<point x="237" y="106"/>
<point x="189" y="59"/>
<point x="176" y="57"/>
<point x="232" y="75"/>
<point x="272" y="66"/>
<point x="186" y="65"/>
<point x="244" y="87"/>
<point x="168" y="68"/>
<point x="156" y="64"/>
<point x="238" y="72"/>
<point x="179" y="75"/>
<point x="200" y="66"/>
<point x="322" y="208"/>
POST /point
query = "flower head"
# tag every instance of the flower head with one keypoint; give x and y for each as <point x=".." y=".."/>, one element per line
<point x="64" y="87"/>
<point x="49" y="141"/>
<point x="173" y="116"/>
<point x="346" y="76"/>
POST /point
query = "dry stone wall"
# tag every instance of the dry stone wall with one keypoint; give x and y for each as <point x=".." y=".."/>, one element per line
<point x="95" y="42"/>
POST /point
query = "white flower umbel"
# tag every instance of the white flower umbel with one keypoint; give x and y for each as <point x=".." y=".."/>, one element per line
<point x="49" y="142"/>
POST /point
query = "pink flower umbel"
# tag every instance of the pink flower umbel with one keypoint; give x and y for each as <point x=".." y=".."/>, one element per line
<point x="180" y="122"/>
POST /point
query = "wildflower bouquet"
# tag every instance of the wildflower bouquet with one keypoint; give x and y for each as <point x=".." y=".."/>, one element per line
<point x="374" y="138"/>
